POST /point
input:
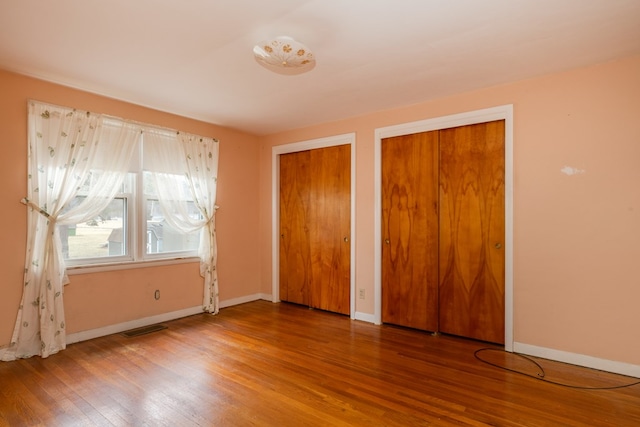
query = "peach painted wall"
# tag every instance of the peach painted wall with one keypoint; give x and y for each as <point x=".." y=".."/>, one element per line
<point x="102" y="299"/>
<point x="576" y="237"/>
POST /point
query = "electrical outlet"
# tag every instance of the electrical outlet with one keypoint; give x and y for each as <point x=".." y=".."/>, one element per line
<point x="361" y="293"/>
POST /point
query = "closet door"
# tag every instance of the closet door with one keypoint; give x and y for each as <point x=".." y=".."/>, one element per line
<point x="472" y="260"/>
<point x="315" y="228"/>
<point x="295" y="253"/>
<point x="330" y="228"/>
<point x="410" y="230"/>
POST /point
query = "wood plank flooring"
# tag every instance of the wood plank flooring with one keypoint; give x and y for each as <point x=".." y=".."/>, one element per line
<point x="265" y="364"/>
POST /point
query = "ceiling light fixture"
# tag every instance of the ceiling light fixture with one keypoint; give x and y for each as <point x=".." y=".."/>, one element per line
<point x="284" y="55"/>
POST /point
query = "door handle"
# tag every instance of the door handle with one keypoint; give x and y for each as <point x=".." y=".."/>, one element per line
<point x="346" y="239"/>
<point x="387" y="241"/>
<point x="498" y="245"/>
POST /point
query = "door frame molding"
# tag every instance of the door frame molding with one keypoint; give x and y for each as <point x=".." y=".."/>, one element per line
<point x="503" y="112"/>
<point x="330" y="141"/>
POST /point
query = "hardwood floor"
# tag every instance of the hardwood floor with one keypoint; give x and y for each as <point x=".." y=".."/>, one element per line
<point x="264" y="364"/>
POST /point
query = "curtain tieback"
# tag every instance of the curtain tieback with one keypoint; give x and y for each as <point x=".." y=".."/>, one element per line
<point x="28" y="202"/>
<point x="212" y="218"/>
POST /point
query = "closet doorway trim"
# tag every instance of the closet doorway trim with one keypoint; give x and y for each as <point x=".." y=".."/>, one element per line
<point x="330" y="141"/>
<point x="503" y="112"/>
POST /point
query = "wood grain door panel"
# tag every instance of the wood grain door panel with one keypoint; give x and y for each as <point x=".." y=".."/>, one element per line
<point x="295" y="253"/>
<point x="330" y="228"/>
<point x="471" y="254"/>
<point x="315" y="228"/>
<point x="410" y="231"/>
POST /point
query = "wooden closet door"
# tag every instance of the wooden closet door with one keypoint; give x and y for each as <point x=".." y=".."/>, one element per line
<point x="330" y="228"/>
<point x="410" y="230"/>
<point x="295" y="252"/>
<point x="472" y="255"/>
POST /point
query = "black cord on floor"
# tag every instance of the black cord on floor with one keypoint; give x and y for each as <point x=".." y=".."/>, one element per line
<point x="541" y="375"/>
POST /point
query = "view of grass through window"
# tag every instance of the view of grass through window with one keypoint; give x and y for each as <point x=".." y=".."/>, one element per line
<point x="99" y="237"/>
<point x="106" y="235"/>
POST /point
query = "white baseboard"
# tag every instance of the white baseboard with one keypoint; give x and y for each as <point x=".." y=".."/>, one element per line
<point x="152" y="320"/>
<point x="245" y="299"/>
<point x="365" y="317"/>
<point x="578" y="359"/>
<point x="132" y="324"/>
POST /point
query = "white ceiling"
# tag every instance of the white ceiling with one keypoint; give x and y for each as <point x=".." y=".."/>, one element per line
<point x="194" y="57"/>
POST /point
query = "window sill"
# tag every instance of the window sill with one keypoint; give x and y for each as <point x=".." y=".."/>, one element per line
<point x="128" y="265"/>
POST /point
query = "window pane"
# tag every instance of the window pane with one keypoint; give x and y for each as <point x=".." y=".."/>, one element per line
<point x="162" y="237"/>
<point x="103" y="236"/>
<point x="178" y="183"/>
<point x="95" y="175"/>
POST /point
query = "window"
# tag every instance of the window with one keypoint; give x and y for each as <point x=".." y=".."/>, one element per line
<point x="88" y="175"/>
<point x="162" y="237"/>
<point x="132" y="228"/>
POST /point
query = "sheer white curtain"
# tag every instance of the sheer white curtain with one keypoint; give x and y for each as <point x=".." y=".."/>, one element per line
<point x="65" y="145"/>
<point x="184" y="169"/>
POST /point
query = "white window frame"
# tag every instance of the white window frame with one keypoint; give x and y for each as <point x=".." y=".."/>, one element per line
<point x="135" y="236"/>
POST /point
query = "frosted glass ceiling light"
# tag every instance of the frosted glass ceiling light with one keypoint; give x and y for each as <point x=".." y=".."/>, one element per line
<point x="284" y="55"/>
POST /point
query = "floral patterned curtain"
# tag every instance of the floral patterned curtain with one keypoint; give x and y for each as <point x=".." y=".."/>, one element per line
<point x="65" y="145"/>
<point x="184" y="169"/>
